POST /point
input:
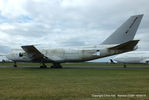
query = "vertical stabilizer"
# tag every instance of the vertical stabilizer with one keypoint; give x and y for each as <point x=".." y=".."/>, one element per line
<point x="125" y="32"/>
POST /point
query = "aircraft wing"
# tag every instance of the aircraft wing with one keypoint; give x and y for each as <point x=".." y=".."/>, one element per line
<point x="126" y="46"/>
<point x="34" y="53"/>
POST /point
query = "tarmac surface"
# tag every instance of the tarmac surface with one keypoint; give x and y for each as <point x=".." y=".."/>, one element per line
<point x="82" y="67"/>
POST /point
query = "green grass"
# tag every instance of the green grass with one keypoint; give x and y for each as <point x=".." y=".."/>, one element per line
<point x="72" y="84"/>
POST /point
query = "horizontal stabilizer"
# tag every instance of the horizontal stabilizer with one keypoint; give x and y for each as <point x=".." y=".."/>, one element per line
<point x="126" y="46"/>
<point x="33" y="53"/>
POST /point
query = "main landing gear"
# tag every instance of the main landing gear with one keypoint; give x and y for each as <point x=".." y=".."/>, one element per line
<point x="43" y="65"/>
<point x="56" y="65"/>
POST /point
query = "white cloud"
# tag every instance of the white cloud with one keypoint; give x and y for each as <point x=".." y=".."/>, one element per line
<point x="12" y="8"/>
<point x="6" y="26"/>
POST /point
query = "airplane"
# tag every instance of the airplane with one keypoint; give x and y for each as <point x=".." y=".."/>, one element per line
<point x="118" y="42"/>
<point x="133" y="57"/>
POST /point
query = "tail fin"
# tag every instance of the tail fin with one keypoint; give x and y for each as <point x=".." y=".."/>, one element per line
<point x="125" y="32"/>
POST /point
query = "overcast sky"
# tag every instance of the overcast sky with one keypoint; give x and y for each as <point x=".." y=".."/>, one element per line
<point x="58" y="23"/>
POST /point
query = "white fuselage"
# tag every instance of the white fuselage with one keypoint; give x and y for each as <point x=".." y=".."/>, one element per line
<point x="133" y="57"/>
<point x="67" y="54"/>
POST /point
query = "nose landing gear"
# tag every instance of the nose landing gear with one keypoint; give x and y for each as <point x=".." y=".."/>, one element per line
<point x="15" y="64"/>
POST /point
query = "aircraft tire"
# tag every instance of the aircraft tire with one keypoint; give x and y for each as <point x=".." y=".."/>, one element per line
<point x="43" y="66"/>
<point x="15" y="66"/>
<point x="59" y="66"/>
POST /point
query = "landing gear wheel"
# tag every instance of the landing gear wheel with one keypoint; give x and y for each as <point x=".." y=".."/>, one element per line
<point x="43" y="65"/>
<point x="52" y="66"/>
<point x="15" y="66"/>
<point x="56" y="65"/>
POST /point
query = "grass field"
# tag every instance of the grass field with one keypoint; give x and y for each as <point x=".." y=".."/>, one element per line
<point x="72" y="84"/>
